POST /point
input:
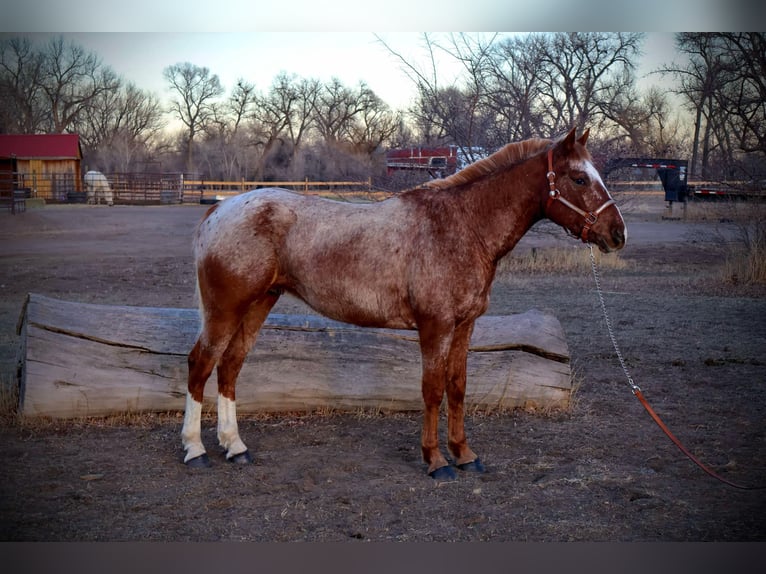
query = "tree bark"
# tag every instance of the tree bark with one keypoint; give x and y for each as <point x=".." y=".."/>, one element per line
<point x="80" y="359"/>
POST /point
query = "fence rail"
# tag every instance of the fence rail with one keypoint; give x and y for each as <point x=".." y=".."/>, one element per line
<point x="168" y="188"/>
<point x="204" y="190"/>
<point x="148" y="188"/>
<point x="54" y="187"/>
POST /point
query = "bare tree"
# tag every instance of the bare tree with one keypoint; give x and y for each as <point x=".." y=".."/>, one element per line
<point x="240" y="103"/>
<point x="21" y="108"/>
<point x="744" y="93"/>
<point x="230" y="144"/>
<point x="513" y="86"/>
<point x="375" y="123"/>
<point x="641" y="123"/>
<point x="71" y="78"/>
<point x="228" y="136"/>
<point x="294" y="100"/>
<point x="282" y="118"/>
<point x="336" y="109"/>
<point x="449" y="113"/>
<point x="301" y="113"/>
<point x="582" y="72"/>
<point x="352" y="124"/>
<point x="699" y="80"/>
<point x="196" y="90"/>
<point x="49" y="89"/>
<point x="723" y="82"/>
<point x="119" y="126"/>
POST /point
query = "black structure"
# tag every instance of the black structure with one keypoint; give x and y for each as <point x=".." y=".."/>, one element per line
<point x="672" y="173"/>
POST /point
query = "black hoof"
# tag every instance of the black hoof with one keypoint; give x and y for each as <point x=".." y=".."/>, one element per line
<point x="201" y="461"/>
<point x="473" y="466"/>
<point x="444" y="474"/>
<point x="241" y="458"/>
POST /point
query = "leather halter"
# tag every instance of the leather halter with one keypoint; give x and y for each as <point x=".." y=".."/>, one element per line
<point x="555" y="195"/>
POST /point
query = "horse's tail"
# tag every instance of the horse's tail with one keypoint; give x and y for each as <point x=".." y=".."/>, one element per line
<point x="200" y="304"/>
<point x="197" y="254"/>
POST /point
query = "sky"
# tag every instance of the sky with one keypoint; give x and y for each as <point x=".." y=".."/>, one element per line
<point x="258" y="57"/>
<point x="390" y="15"/>
<point x="257" y="39"/>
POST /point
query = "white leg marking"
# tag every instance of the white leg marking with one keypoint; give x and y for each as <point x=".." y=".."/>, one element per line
<point x="228" y="433"/>
<point x="191" y="433"/>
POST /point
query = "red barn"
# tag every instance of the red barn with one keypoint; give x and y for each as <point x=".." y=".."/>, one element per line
<point x="47" y="164"/>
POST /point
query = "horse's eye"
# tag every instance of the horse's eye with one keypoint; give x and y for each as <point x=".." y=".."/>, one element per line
<point x="579" y="181"/>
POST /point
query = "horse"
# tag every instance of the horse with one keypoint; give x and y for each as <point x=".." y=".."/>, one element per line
<point x="97" y="188"/>
<point x="424" y="260"/>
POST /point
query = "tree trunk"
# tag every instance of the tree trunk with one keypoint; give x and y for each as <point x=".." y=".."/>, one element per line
<point x="82" y="359"/>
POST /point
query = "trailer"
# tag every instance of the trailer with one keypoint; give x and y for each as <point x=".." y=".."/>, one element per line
<point x="439" y="161"/>
<point x="741" y="191"/>
<point x="673" y="175"/>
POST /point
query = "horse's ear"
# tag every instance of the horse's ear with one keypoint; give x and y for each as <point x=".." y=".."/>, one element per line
<point x="584" y="137"/>
<point x="569" y="138"/>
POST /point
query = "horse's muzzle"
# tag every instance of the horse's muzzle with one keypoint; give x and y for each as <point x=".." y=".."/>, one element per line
<point x="614" y="242"/>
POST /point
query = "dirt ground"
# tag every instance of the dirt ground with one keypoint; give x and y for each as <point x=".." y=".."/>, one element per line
<point x="602" y="471"/>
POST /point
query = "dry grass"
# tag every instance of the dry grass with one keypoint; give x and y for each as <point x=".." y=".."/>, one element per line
<point x="721" y="211"/>
<point x="746" y="265"/>
<point x="9" y="398"/>
<point x="740" y="228"/>
<point x="746" y="238"/>
<point x="578" y="378"/>
<point x="558" y="260"/>
<point x="746" y="262"/>
<point x="10" y="417"/>
<point x="118" y="420"/>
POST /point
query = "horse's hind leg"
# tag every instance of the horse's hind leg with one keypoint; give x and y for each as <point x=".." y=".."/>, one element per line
<point x="228" y="369"/>
<point x="203" y="357"/>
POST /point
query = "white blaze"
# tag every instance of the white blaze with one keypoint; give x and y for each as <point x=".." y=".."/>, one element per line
<point x="594" y="175"/>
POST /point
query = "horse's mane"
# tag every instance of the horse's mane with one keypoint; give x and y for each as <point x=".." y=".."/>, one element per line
<point x="506" y="156"/>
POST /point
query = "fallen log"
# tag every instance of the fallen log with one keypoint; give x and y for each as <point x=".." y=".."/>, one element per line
<point x="81" y="359"/>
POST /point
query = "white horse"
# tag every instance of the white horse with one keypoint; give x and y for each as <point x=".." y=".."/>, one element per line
<point x="98" y="189"/>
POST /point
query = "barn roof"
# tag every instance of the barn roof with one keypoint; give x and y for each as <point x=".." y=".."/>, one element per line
<point x="41" y="146"/>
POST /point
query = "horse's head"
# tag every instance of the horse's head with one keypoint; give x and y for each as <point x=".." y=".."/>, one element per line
<point x="577" y="198"/>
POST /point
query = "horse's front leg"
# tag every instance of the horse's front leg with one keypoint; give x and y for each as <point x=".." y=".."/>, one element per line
<point x="435" y="342"/>
<point x="465" y="458"/>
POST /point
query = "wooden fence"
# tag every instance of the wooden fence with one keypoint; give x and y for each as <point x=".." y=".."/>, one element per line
<point x="204" y="191"/>
<point x="52" y="187"/>
<point x="169" y="188"/>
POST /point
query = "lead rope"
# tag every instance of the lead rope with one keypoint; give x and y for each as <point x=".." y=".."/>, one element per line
<point x="637" y="391"/>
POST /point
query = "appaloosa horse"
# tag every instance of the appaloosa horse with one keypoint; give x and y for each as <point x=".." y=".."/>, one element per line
<point x="424" y="259"/>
